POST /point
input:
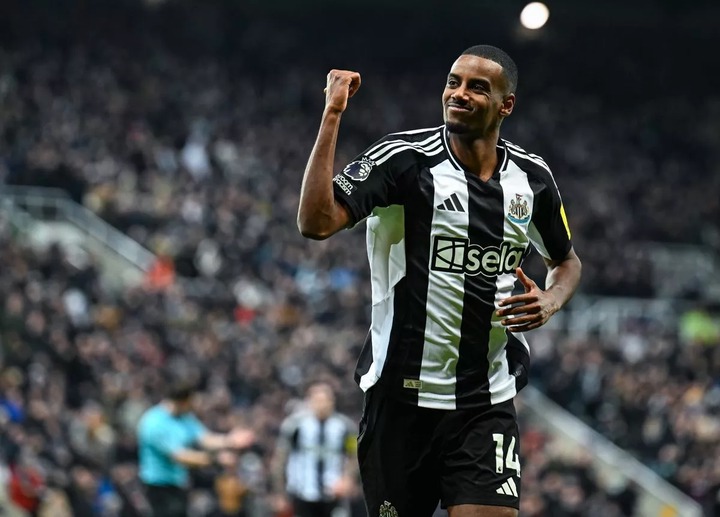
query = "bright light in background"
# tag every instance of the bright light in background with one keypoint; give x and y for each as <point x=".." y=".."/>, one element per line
<point x="534" y="15"/>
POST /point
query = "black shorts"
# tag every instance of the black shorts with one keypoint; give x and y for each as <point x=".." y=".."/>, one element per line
<point x="303" y="508"/>
<point x="167" y="501"/>
<point x="412" y="457"/>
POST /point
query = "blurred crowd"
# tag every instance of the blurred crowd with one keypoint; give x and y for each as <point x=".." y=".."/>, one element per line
<point x="194" y="145"/>
<point x="78" y="366"/>
<point x="653" y="394"/>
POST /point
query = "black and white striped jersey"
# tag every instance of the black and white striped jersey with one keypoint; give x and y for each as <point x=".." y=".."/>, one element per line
<point x="443" y="247"/>
<point x="317" y="453"/>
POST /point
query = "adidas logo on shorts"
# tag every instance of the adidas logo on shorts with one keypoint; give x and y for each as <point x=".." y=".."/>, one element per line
<point x="508" y="488"/>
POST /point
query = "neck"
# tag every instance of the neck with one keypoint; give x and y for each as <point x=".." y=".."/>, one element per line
<point x="170" y="406"/>
<point x="478" y="155"/>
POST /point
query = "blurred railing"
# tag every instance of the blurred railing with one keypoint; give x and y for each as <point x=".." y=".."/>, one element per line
<point x="657" y="497"/>
<point x="693" y="267"/>
<point x="27" y="206"/>
<point x="54" y="204"/>
<point x="609" y="316"/>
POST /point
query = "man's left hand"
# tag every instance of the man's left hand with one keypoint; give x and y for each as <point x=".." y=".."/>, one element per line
<point x="343" y="487"/>
<point x="240" y="438"/>
<point x="529" y="310"/>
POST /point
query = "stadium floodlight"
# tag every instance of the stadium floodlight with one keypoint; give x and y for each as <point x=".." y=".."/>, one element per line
<point x="534" y="15"/>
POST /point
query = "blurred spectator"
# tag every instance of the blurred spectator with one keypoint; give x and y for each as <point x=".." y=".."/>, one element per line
<point x="317" y="439"/>
<point x="229" y="488"/>
<point x="171" y="440"/>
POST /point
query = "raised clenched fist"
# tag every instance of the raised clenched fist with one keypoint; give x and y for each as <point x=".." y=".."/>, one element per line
<point x="341" y="85"/>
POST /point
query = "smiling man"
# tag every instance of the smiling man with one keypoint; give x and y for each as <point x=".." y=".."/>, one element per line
<point x="451" y="213"/>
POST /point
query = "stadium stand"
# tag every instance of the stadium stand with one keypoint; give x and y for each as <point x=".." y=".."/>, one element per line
<point x="191" y="141"/>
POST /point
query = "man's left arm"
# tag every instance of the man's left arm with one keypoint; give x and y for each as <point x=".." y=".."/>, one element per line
<point x="550" y="234"/>
<point x="535" y="307"/>
<point x="562" y="278"/>
<point x="238" y="438"/>
<point x="345" y="486"/>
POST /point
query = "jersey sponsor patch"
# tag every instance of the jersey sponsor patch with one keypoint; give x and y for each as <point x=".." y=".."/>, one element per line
<point x="359" y="170"/>
<point x="453" y="255"/>
<point x="344" y="184"/>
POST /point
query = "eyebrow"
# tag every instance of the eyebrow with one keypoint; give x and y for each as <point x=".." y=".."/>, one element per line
<point x="472" y="80"/>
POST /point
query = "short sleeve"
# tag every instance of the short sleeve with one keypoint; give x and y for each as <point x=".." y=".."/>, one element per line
<point x="288" y="437"/>
<point x="351" y="437"/>
<point x="371" y="180"/>
<point x="549" y="230"/>
<point x="154" y="434"/>
<point x="197" y="429"/>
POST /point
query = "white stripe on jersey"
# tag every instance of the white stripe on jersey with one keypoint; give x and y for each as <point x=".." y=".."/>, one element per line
<point x="533" y="232"/>
<point x="537" y="241"/>
<point x="379" y="150"/>
<point x="520" y="150"/>
<point x="513" y="181"/>
<point x="386" y="254"/>
<point x="526" y="156"/>
<point x="444" y="309"/>
<point x="416" y="131"/>
<point x="427" y="152"/>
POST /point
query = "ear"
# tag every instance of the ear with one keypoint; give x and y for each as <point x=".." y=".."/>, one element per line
<point x="507" y="105"/>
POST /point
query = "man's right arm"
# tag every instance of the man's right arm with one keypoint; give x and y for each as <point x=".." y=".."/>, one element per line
<point x="286" y="440"/>
<point x="155" y="434"/>
<point x="320" y="215"/>
<point x="192" y="458"/>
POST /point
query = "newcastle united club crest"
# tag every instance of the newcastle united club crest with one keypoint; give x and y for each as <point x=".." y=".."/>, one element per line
<point x="388" y="510"/>
<point x="519" y="210"/>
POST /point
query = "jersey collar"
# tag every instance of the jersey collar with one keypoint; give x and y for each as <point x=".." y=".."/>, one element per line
<point x="501" y="150"/>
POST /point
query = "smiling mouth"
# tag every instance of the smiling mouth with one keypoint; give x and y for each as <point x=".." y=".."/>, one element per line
<point x="457" y="107"/>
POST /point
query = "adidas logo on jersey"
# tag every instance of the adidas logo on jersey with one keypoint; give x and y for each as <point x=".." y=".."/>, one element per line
<point x="451" y="204"/>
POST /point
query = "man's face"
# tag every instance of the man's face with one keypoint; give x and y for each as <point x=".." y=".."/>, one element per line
<point x="185" y="406"/>
<point x="321" y="400"/>
<point x="475" y="99"/>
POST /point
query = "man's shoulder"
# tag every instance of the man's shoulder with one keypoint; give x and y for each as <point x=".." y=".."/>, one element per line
<point x="153" y="416"/>
<point x="294" y="419"/>
<point x="532" y="164"/>
<point x="413" y="144"/>
<point x="415" y="135"/>
<point x="344" y="420"/>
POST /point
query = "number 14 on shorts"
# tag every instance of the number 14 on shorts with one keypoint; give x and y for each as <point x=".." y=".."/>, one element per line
<point x="503" y="460"/>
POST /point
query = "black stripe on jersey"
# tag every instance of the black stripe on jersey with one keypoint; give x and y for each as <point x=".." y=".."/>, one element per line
<point x="365" y="358"/>
<point x="546" y="193"/>
<point x="518" y="361"/>
<point x="417" y="255"/>
<point x="519" y="151"/>
<point x="393" y="363"/>
<point x="409" y="315"/>
<point x="320" y="466"/>
<point x="486" y="229"/>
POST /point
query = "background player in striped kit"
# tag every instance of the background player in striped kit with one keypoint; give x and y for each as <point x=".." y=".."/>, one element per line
<point x="314" y="461"/>
<point x="451" y="213"/>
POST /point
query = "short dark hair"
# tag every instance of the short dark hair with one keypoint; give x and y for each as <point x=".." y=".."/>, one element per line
<point x="501" y="58"/>
<point x="319" y="381"/>
<point x="181" y="390"/>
